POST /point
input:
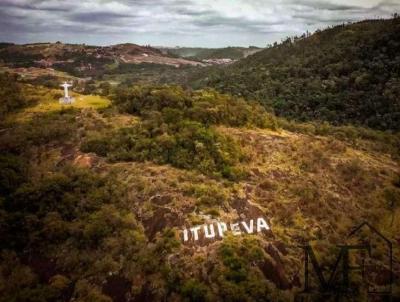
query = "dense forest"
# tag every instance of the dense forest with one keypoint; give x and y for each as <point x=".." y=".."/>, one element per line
<point x="347" y="74"/>
<point x="234" y="53"/>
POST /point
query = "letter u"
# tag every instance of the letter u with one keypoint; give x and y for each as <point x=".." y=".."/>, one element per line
<point x="210" y="234"/>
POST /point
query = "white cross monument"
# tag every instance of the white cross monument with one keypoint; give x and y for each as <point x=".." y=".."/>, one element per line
<point x="66" y="99"/>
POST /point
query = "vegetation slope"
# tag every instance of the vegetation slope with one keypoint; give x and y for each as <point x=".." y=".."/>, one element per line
<point x="234" y="53"/>
<point x="347" y="74"/>
<point x="94" y="196"/>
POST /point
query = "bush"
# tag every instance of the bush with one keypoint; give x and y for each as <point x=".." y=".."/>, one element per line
<point x="11" y="97"/>
<point x="176" y="129"/>
<point x="194" y="291"/>
<point x="37" y="210"/>
<point x="186" y="145"/>
<point x="392" y="197"/>
<point x="238" y="279"/>
<point x="55" y="127"/>
<point x="207" y="106"/>
<point x="98" y="146"/>
<point x="12" y="173"/>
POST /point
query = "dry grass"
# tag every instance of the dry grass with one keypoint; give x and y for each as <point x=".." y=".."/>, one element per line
<point x="47" y="101"/>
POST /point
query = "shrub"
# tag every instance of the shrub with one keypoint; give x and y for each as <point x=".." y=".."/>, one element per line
<point x="11" y="97"/>
<point x="195" y="291"/>
<point x="209" y="195"/>
<point x="352" y="170"/>
<point x="12" y="173"/>
<point x="99" y="146"/>
<point x="44" y="128"/>
<point x="186" y="145"/>
<point x="238" y="278"/>
<point x="392" y="197"/>
<point x="204" y="106"/>
<point x="37" y="210"/>
<point x="176" y="129"/>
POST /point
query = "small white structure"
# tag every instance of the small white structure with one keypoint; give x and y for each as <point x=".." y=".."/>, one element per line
<point x="66" y="99"/>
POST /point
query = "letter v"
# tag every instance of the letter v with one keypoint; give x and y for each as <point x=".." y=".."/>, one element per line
<point x="249" y="229"/>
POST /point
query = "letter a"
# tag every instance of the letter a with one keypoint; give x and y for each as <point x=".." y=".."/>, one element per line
<point x="261" y="223"/>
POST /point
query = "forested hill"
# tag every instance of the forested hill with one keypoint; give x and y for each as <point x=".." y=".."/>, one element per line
<point x="199" y="53"/>
<point x="345" y="74"/>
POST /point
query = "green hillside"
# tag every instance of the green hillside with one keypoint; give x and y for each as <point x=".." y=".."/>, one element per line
<point x="234" y="53"/>
<point x="94" y="196"/>
<point x="348" y="74"/>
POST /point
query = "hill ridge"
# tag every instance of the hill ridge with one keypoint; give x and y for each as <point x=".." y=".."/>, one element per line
<point x="344" y="74"/>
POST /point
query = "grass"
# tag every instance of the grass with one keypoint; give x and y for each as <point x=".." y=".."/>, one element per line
<point x="91" y="101"/>
<point x="47" y="101"/>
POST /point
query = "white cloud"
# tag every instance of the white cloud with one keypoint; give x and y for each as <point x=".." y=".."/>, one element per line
<point x="178" y="22"/>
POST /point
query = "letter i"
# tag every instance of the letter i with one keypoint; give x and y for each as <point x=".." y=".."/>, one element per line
<point x="185" y="235"/>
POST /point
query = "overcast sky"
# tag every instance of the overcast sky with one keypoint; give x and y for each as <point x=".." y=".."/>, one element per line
<point x="207" y="23"/>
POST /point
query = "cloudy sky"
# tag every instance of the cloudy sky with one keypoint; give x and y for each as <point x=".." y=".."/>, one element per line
<point x="207" y="23"/>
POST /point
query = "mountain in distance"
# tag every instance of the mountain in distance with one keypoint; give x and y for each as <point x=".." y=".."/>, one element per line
<point x="347" y="74"/>
<point x="75" y="58"/>
<point x="49" y="63"/>
<point x="199" y="53"/>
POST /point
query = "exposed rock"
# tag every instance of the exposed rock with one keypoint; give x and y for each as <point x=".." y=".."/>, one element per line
<point x="245" y="209"/>
<point x="162" y="218"/>
<point x="68" y="151"/>
<point x="281" y="247"/>
<point x="274" y="253"/>
<point x="275" y="273"/>
<point x="85" y="160"/>
<point x="161" y="199"/>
